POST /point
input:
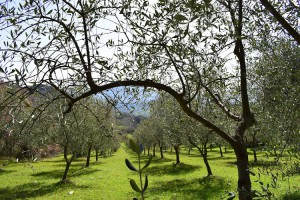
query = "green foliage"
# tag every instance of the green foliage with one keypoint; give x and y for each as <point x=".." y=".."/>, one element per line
<point x="138" y="150"/>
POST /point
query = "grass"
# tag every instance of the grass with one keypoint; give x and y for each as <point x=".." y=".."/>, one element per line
<point x="109" y="178"/>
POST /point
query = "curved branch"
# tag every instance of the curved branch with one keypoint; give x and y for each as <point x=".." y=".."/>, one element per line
<point x="179" y="98"/>
<point x="281" y="20"/>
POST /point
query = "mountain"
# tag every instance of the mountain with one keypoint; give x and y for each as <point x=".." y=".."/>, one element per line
<point x="133" y="100"/>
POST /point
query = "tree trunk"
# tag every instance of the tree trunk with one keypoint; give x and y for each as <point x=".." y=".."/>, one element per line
<point x="97" y="152"/>
<point x="225" y="149"/>
<point x="68" y="164"/>
<point x="189" y="151"/>
<point x="275" y="150"/>
<point x="254" y="154"/>
<point x="88" y="157"/>
<point x="176" y="148"/>
<point x="148" y="149"/>
<point x="154" y="150"/>
<point x="244" y="182"/>
<point x="204" y="156"/>
<point x="161" y="152"/>
<point x="203" y="153"/>
<point x="221" y="152"/>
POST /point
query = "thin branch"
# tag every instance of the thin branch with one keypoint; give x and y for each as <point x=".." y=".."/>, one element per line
<point x="281" y="20"/>
<point x="86" y="41"/>
<point x="218" y="101"/>
<point x="176" y="68"/>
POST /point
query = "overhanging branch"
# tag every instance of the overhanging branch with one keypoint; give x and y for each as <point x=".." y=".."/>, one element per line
<point x="281" y="20"/>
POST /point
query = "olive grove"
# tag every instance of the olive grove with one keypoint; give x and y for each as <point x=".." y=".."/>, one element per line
<point x="185" y="48"/>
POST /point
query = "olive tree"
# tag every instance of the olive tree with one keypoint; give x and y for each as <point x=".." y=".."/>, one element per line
<point x="175" y="46"/>
<point x="278" y="95"/>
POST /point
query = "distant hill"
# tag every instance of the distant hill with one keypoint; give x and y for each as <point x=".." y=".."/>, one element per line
<point x="127" y="122"/>
<point x="131" y="99"/>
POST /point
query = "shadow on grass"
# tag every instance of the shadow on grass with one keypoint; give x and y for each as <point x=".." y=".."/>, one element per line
<point x="291" y="196"/>
<point x="33" y="190"/>
<point x="6" y="171"/>
<point x="54" y="174"/>
<point x="221" y="158"/>
<point x="57" y="174"/>
<point x="171" y="169"/>
<point x="156" y="160"/>
<point x="75" y="164"/>
<point x="263" y="163"/>
<point x="194" y="155"/>
<point x="204" y="188"/>
<point x="54" y="161"/>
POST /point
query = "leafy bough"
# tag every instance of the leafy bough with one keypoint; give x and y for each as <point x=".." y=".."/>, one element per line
<point x="138" y="149"/>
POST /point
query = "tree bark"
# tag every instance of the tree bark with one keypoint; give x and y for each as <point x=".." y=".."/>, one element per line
<point x="97" y="154"/>
<point x="161" y="152"/>
<point x="68" y="164"/>
<point x="154" y="145"/>
<point x="254" y="155"/>
<point x="221" y="152"/>
<point x="88" y="157"/>
<point x="176" y="148"/>
<point x="203" y="153"/>
<point x="244" y="182"/>
<point x="204" y="156"/>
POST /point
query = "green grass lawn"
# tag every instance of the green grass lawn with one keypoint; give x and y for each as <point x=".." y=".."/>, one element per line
<point x="109" y="178"/>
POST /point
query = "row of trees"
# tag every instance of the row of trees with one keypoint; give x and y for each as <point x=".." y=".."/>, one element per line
<point x="26" y="135"/>
<point x="274" y="98"/>
<point x="185" y="48"/>
<point x="168" y="127"/>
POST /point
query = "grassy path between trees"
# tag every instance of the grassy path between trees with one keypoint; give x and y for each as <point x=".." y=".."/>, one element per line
<point x="108" y="179"/>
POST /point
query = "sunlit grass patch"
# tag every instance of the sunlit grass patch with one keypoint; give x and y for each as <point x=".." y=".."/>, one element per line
<point x="109" y="178"/>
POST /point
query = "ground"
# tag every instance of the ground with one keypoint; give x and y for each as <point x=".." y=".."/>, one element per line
<point x="108" y="179"/>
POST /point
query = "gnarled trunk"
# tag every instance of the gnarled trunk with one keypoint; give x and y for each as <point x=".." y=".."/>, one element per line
<point x="68" y="164"/>
<point x="161" y="152"/>
<point x="254" y="155"/>
<point x="204" y="156"/>
<point x="244" y="182"/>
<point x="221" y="152"/>
<point x="203" y="152"/>
<point x="176" y="148"/>
<point x="88" y="157"/>
<point x="97" y="154"/>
